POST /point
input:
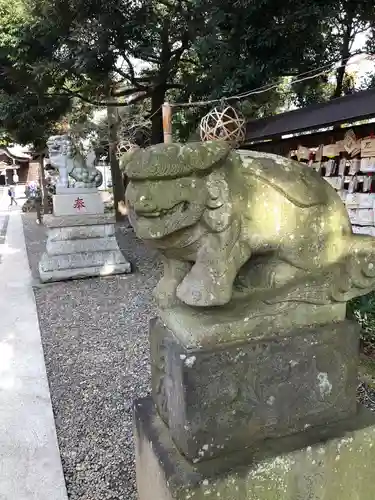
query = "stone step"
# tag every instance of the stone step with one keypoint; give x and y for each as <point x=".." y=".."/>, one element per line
<point x="81" y="232"/>
<point x="77" y="246"/>
<point x="82" y="264"/>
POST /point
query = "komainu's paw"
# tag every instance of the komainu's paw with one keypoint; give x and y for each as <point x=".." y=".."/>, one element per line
<point x="165" y="293"/>
<point x="202" y="289"/>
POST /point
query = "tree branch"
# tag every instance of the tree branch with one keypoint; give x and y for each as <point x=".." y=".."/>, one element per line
<point x="188" y="60"/>
<point x="185" y="39"/>
<point x="121" y="73"/>
<point x="146" y="56"/>
<point x="359" y="31"/>
<point x="72" y="94"/>
<point x="174" y="86"/>
<point x="145" y="79"/>
<point x="132" y="77"/>
<point x="170" y="5"/>
<point x="126" y="91"/>
<point x="138" y="98"/>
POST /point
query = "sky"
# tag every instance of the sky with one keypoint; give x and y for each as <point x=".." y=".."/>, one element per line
<point x="361" y="64"/>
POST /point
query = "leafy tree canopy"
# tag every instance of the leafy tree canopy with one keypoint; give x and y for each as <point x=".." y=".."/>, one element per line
<point x="54" y="52"/>
<point x="28" y="114"/>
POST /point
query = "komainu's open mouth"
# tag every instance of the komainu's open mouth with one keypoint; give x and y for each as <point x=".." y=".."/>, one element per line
<point x="179" y="208"/>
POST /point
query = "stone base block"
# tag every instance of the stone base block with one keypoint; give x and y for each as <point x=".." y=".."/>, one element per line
<point x="82" y="265"/>
<point x="220" y="398"/>
<point x="327" y="463"/>
<point x="80" y="247"/>
<point x="75" y="233"/>
<point x="77" y="204"/>
<point x="74" y="190"/>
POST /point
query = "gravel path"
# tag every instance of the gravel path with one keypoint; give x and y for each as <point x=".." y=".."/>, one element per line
<point x="94" y="335"/>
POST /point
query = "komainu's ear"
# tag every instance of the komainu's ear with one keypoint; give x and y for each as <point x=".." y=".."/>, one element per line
<point x="218" y="189"/>
<point x="219" y="212"/>
<point x="176" y="160"/>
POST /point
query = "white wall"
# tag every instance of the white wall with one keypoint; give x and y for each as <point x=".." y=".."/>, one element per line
<point x="107" y="177"/>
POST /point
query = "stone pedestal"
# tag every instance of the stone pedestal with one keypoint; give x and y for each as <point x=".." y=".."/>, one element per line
<point x="273" y="395"/>
<point x="216" y="399"/>
<point x="80" y="246"/>
<point x="331" y="462"/>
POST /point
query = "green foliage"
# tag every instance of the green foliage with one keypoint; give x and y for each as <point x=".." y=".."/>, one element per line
<point x="27" y="112"/>
<point x="349" y="19"/>
<point x="254" y="43"/>
<point x="245" y="46"/>
<point x="5" y="138"/>
<point x="88" y="48"/>
<point x="362" y="310"/>
<point x="315" y="91"/>
<point x="29" y="118"/>
<point x="369" y="82"/>
<point x="194" y="49"/>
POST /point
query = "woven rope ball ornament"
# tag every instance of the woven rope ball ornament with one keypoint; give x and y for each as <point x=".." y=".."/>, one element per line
<point x="124" y="147"/>
<point x="140" y="135"/>
<point x="225" y="123"/>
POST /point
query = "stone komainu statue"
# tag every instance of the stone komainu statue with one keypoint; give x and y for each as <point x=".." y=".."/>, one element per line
<point x="66" y="158"/>
<point x="233" y="223"/>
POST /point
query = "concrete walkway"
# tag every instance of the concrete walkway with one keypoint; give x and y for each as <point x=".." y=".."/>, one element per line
<point x="30" y="466"/>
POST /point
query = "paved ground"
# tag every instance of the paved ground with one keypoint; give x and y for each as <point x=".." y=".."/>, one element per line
<point x="4" y="219"/>
<point x="94" y="335"/>
<point x="30" y="466"/>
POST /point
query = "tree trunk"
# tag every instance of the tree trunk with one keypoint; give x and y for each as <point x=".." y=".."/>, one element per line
<point x="42" y="183"/>
<point x="345" y="54"/>
<point x="117" y="179"/>
<point x="157" y="100"/>
<point x="340" y="75"/>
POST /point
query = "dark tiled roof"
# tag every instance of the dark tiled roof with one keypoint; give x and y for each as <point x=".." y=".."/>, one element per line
<point x="353" y="107"/>
<point x="5" y="151"/>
